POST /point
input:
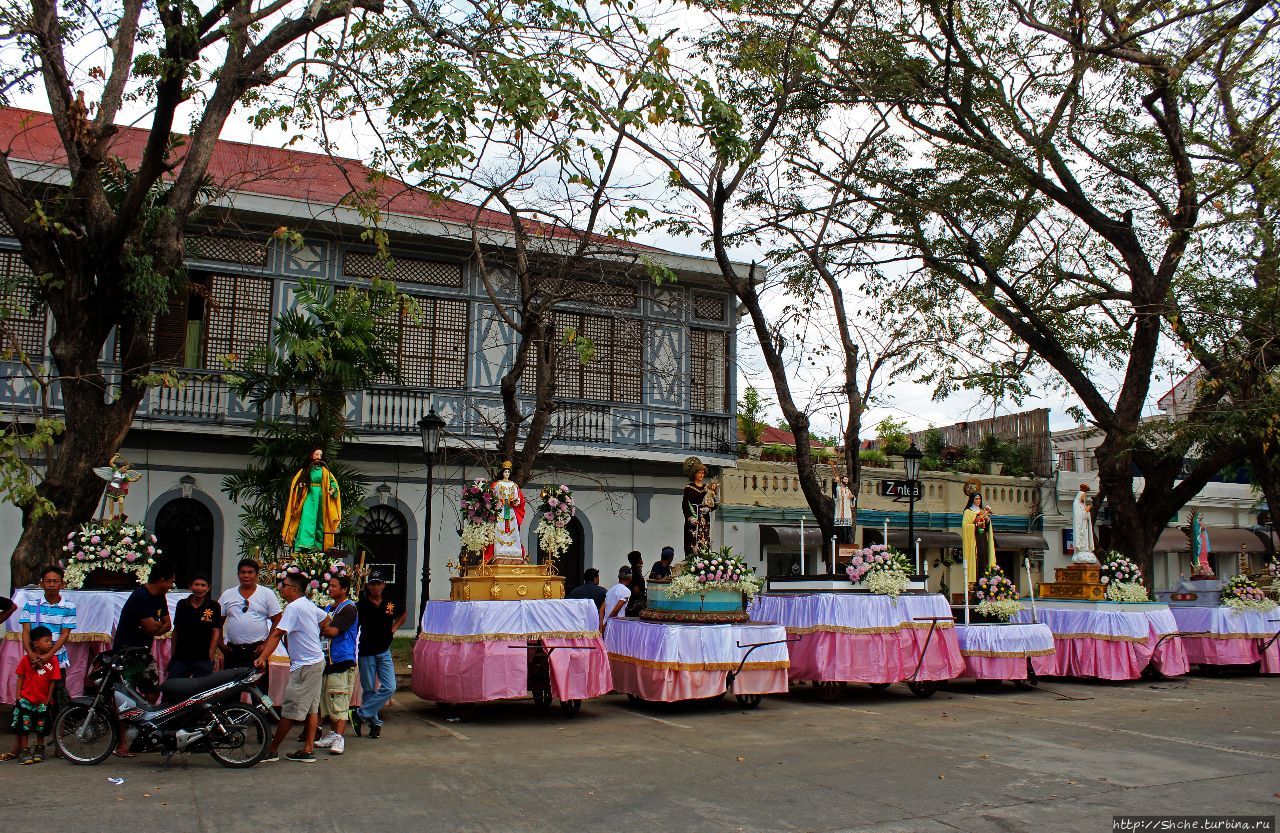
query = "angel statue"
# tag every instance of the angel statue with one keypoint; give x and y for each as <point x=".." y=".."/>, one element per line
<point x="119" y="474"/>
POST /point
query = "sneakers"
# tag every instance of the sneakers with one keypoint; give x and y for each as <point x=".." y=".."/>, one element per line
<point x="338" y="745"/>
<point x="357" y="722"/>
<point x="37" y="757"/>
<point x="301" y="757"/>
<point x="327" y="741"/>
<point x="26" y="756"/>
<point x="375" y="731"/>
<point x="270" y="758"/>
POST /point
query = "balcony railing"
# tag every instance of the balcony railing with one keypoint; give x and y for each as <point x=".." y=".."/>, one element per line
<point x="204" y="397"/>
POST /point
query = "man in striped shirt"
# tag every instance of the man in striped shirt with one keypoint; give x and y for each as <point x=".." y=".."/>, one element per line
<point x="54" y="612"/>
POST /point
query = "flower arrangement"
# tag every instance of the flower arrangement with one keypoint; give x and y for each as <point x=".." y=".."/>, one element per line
<point x="480" y="507"/>
<point x="982" y="520"/>
<point x="884" y="569"/>
<point x="1272" y="573"/>
<point x="557" y="510"/>
<point x="721" y="569"/>
<point x="1242" y="593"/>
<point x="318" y="567"/>
<point x="997" y="595"/>
<point x="1123" y="579"/>
<point x="109" y="545"/>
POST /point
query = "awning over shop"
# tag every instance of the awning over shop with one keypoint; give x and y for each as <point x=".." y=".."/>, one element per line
<point x="788" y="537"/>
<point x="1222" y="540"/>
<point x="1021" y="541"/>
<point x="928" y="538"/>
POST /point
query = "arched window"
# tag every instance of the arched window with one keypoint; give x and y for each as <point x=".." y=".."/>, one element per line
<point x="184" y="531"/>
<point x="384" y="535"/>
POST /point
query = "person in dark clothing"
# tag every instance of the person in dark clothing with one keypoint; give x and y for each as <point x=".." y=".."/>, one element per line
<point x="639" y="594"/>
<point x="380" y="617"/>
<point x="144" y="617"/>
<point x="590" y="588"/>
<point x="197" y="628"/>
<point x="662" y="569"/>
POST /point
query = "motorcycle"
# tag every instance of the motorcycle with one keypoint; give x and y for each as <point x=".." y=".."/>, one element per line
<point x="203" y="714"/>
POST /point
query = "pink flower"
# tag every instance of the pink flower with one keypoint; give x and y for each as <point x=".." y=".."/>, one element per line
<point x="97" y="539"/>
<point x="131" y="557"/>
<point x="151" y="550"/>
<point x="104" y="552"/>
<point x="70" y="535"/>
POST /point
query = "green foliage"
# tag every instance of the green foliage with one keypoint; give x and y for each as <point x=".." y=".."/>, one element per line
<point x="778" y="451"/>
<point x="336" y="341"/>
<point x="18" y="479"/>
<point x="873" y="457"/>
<point x="751" y="411"/>
<point x="892" y="436"/>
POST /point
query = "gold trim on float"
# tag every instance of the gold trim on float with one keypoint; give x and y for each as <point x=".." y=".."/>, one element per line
<point x="700" y="666"/>
<point x="498" y="637"/>
<point x="1104" y="637"/>
<point x="78" y="636"/>
<point x="856" y="631"/>
<point x="1008" y="654"/>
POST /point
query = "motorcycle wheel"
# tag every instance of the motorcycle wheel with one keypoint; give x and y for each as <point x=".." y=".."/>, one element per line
<point x="246" y="739"/>
<point x="83" y="735"/>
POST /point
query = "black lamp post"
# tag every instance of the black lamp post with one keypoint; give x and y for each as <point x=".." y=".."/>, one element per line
<point x="431" y="427"/>
<point x="912" y="456"/>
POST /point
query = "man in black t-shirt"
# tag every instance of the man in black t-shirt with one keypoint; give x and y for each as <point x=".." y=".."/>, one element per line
<point x="197" y="625"/>
<point x="590" y="588"/>
<point x="144" y="617"/>
<point x="380" y="618"/>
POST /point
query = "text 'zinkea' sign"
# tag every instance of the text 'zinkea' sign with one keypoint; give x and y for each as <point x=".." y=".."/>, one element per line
<point x="901" y="489"/>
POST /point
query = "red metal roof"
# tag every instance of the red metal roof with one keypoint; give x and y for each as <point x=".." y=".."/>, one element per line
<point x="268" y="171"/>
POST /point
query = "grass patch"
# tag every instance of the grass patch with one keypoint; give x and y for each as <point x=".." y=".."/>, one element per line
<point x="402" y="653"/>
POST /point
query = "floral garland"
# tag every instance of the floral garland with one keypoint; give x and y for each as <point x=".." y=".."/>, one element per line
<point x="1242" y="593"/>
<point x="557" y="510"/>
<point x="997" y="595"/>
<point x="109" y="545"/>
<point x="714" y="570"/>
<point x="480" y="508"/>
<point x="885" y="570"/>
<point x="1123" y="579"/>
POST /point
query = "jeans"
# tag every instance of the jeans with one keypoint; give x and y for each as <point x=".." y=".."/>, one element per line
<point x="376" y="672"/>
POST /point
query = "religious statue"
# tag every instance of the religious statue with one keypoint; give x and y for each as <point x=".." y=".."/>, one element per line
<point x="1082" y="528"/>
<point x="700" y="500"/>
<point x="119" y="474"/>
<point x="507" y="548"/>
<point x="314" y="509"/>
<point x="1200" y="566"/>
<point x="842" y="494"/>
<point x="977" y="539"/>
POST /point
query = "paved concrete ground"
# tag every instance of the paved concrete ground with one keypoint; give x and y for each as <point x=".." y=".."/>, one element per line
<point x="876" y="761"/>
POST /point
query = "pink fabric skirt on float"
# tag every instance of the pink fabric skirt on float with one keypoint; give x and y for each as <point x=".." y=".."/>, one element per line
<point x="996" y="668"/>
<point x="476" y="672"/>
<point x="1203" y="650"/>
<point x="876" y="657"/>
<point x="1108" y="659"/>
<point x="672" y="685"/>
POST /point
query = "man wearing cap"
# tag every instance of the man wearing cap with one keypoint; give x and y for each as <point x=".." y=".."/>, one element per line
<point x="662" y="569"/>
<point x="615" y="601"/>
<point x="380" y="618"/>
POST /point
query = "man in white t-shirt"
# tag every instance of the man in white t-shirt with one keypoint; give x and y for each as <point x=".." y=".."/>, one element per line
<point x="300" y="626"/>
<point x="249" y="612"/>
<point x="615" y="601"/>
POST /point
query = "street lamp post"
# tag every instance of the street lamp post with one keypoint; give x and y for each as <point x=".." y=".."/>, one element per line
<point x="431" y="426"/>
<point x="912" y="456"/>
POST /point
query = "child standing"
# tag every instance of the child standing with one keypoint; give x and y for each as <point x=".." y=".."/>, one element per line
<point x="35" y="696"/>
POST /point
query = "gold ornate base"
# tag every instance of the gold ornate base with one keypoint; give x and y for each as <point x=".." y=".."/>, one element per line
<point x="695" y="617"/>
<point x="1079" y="581"/>
<point x="506" y="583"/>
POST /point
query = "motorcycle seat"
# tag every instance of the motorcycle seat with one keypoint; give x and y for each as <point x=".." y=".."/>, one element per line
<point x="180" y="689"/>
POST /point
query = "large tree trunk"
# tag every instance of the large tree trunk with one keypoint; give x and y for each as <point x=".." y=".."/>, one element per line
<point x="94" y="431"/>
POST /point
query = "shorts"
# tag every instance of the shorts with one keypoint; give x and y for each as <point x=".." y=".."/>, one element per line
<point x="302" y="695"/>
<point x="31" y="718"/>
<point x="336" y="702"/>
<point x="145" y="676"/>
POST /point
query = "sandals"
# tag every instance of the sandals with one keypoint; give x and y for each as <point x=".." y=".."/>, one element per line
<point x="8" y="756"/>
<point x="120" y="754"/>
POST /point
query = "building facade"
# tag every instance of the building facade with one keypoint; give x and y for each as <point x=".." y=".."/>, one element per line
<point x="658" y="388"/>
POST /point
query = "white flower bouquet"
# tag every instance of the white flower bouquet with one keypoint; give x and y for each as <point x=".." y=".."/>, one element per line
<point x="109" y="545"/>
<point x="885" y="571"/>
<point x="1123" y="579"/>
<point x="722" y="569"/>
<point x="1242" y="593"/>
<point x="557" y="510"/>
<point x="997" y="595"/>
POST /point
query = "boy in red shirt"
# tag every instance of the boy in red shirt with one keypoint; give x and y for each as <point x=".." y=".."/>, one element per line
<point x="35" y="694"/>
